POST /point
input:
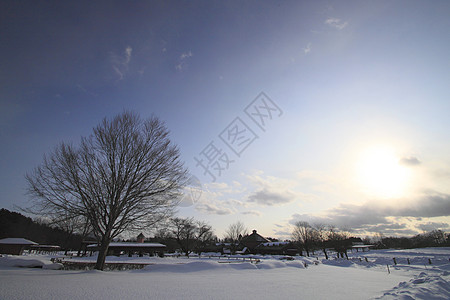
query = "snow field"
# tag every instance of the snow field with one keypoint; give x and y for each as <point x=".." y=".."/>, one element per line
<point x="211" y="278"/>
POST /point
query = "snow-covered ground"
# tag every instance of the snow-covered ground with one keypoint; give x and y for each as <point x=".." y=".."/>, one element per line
<point x="213" y="278"/>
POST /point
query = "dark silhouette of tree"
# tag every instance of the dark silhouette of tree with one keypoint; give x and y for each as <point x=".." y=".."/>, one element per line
<point x="123" y="177"/>
<point x="190" y="234"/>
<point x="303" y="233"/>
<point x="320" y="237"/>
<point x="339" y="240"/>
<point x="234" y="234"/>
<point x="72" y="225"/>
<point x="14" y="224"/>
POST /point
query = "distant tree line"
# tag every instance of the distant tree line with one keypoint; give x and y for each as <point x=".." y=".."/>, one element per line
<point x="186" y="235"/>
<point x="13" y="224"/>
<point x="314" y="237"/>
<point x="434" y="238"/>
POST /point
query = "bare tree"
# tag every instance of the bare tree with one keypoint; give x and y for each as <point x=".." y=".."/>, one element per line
<point x="72" y="225"/>
<point x="234" y="234"/>
<point x="303" y="233"/>
<point x="320" y="237"/>
<point x="123" y="177"/>
<point x="339" y="241"/>
<point x="190" y="233"/>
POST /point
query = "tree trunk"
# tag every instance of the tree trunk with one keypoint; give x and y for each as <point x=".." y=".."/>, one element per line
<point x="80" y="249"/>
<point x="102" y="254"/>
<point x="325" y="252"/>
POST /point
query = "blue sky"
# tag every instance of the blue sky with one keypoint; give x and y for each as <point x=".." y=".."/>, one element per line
<point x="361" y="139"/>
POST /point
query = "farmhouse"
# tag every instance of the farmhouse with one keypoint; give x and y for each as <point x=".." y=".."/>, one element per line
<point x="15" y="246"/>
<point x="253" y="240"/>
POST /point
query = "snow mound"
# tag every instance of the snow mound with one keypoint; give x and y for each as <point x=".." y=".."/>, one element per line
<point x="346" y="263"/>
<point x="422" y="286"/>
<point x="281" y="264"/>
<point x="198" y="266"/>
<point x="183" y="267"/>
<point x="28" y="262"/>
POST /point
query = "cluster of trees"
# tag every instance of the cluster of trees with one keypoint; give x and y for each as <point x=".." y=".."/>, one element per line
<point x="189" y="234"/>
<point x="14" y="224"/>
<point x="234" y="234"/>
<point x="310" y="238"/>
<point x="434" y="238"/>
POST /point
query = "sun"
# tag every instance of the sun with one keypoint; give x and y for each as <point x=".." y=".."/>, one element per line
<point x="380" y="174"/>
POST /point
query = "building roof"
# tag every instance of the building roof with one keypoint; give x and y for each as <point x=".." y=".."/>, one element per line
<point x="255" y="237"/>
<point x="132" y="245"/>
<point x="45" y="247"/>
<point x="17" y="241"/>
<point x="362" y="246"/>
<point x="272" y="244"/>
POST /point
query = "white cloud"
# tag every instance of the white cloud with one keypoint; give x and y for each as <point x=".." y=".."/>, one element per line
<point x="128" y="51"/>
<point x="84" y="90"/>
<point x="120" y="62"/>
<point x="182" y="64"/>
<point x="186" y="55"/>
<point x="410" y="161"/>
<point x="336" y="23"/>
<point x="283" y="234"/>
<point x="214" y="209"/>
<point x="252" y="212"/>
<point x="271" y="198"/>
<point x="272" y="190"/>
<point x="429" y="226"/>
<point x="216" y="198"/>
<point x="236" y="203"/>
<point x="377" y="216"/>
<point x="307" y="49"/>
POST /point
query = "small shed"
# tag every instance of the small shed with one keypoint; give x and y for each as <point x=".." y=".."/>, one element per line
<point x="140" y="238"/>
<point x="15" y="246"/>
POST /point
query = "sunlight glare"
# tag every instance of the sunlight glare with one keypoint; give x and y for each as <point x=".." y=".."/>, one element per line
<point x="380" y="174"/>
